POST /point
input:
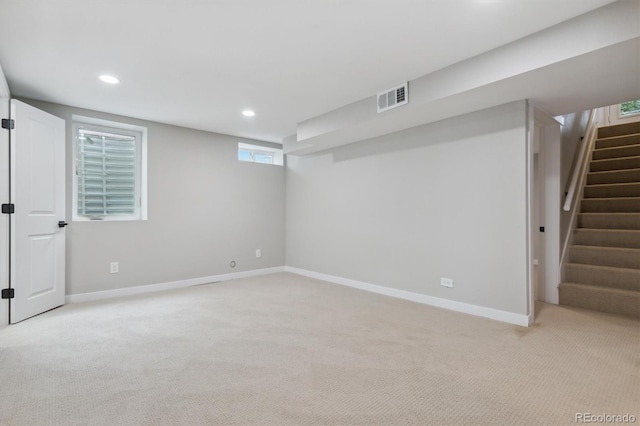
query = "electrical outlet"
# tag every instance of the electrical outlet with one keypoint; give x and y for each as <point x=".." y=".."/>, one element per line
<point x="446" y="282"/>
<point x="258" y="253"/>
<point x="114" y="267"/>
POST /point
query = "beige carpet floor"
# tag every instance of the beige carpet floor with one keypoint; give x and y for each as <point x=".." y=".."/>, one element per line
<point x="284" y="349"/>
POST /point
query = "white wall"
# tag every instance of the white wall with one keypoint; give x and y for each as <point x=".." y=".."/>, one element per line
<point x="205" y="209"/>
<point x="448" y="199"/>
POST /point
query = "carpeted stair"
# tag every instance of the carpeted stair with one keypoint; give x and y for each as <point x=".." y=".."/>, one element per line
<point x="603" y="268"/>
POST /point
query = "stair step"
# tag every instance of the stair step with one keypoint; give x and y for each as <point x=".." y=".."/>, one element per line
<point x="609" y="220"/>
<point x="616" y="152"/>
<point x="619" y="130"/>
<point x="613" y="176"/>
<point x="624" y="238"/>
<point x="610" y="205"/>
<point x="631" y="189"/>
<point x="605" y="256"/>
<point x="618" y="141"/>
<point x="602" y="299"/>
<point x="615" y="164"/>
<point x="604" y="276"/>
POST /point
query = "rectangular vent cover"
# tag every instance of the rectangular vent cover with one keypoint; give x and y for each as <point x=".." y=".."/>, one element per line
<point x="394" y="97"/>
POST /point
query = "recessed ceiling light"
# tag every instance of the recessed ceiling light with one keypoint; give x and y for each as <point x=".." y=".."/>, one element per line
<point x="109" y="79"/>
<point x="248" y="113"/>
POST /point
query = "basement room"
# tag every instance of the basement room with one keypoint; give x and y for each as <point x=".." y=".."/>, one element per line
<point x="320" y="212"/>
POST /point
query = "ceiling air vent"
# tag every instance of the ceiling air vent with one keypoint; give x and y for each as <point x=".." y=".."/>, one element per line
<point x="394" y="97"/>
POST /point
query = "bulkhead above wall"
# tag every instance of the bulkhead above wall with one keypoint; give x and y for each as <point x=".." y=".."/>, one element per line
<point x="562" y="69"/>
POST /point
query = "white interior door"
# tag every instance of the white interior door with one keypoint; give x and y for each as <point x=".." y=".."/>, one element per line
<point x="38" y="193"/>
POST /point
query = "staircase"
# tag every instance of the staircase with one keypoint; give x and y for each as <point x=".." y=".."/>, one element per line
<point x="603" y="268"/>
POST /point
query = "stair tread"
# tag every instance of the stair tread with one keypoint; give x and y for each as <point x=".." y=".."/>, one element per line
<point x="622" y="175"/>
<point x="617" y="257"/>
<point x="605" y="237"/>
<point x="619" y="129"/>
<point x="614" y="301"/>
<point x="610" y="213"/>
<point x="612" y="198"/>
<point x="606" y="248"/>
<point x="624" y="190"/>
<point x="620" y="163"/>
<point x="610" y="268"/>
<point x="612" y="148"/>
<point x="622" y="140"/>
<point x="613" y="171"/>
<point x="637" y="231"/>
<point x="603" y="288"/>
<point x="616" y="159"/>
<point x="616" y="152"/>
<point x="618" y="137"/>
<point x="615" y="184"/>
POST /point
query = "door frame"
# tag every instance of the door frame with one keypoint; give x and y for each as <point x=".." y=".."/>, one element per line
<point x="5" y="111"/>
<point x="544" y="130"/>
<point x="551" y="139"/>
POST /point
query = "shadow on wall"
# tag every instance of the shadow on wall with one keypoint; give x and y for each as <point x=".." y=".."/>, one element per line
<point x="445" y="131"/>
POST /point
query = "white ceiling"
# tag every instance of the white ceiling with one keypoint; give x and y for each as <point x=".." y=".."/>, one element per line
<point x="199" y="63"/>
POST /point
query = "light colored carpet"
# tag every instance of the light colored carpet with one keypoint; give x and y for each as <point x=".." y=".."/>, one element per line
<point x="284" y="349"/>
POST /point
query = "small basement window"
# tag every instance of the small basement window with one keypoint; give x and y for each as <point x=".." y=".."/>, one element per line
<point x="260" y="154"/>
<point x="629" y="108"/>
<point x="110" y="170"/>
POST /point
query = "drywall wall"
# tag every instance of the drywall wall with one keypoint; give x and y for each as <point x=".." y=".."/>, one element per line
<point x="205" y="209"/>
<point x="448" y="199"/>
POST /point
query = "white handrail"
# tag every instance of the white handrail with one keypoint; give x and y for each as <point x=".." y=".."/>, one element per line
<point x="578" y="172"/>
<point x="577" y="179"/>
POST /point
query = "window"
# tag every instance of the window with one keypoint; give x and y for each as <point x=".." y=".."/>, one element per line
<point x="629" y="108"/>
<point x="260" y="154"/>
<point x="110" y="170"/>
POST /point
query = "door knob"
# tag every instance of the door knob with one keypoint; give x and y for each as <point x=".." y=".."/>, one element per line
<point x="62" y="224"/>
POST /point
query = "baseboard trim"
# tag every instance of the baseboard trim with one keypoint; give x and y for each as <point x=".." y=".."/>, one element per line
<point x="130" y="291"/>
<point x="481" y="311"/>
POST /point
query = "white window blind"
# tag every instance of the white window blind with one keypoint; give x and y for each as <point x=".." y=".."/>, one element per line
<point x="110" y="179"/>
<point x="106" y="173"/>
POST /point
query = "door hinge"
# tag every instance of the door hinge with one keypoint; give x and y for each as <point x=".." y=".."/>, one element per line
<point x="8" y="124"/>
<point x="8" y="208"/>
<point x="8" y="293"/>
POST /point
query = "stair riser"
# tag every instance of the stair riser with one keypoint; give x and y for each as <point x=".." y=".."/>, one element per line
<point x="605" y="238"/>
<point x="618" y="190"/>
<point x="609" y="221"/>
<point x="600" y="300"/>
<point x="612" y="205"/>
<point x="625" y="279"/>
<point x="618" y="130"/>
<point x="618" y="141"/>
<point x="618" y="152"/>
<point x="615" y="164"/>
<point x="615" y="176"/>
<point x="605" y="257"/>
